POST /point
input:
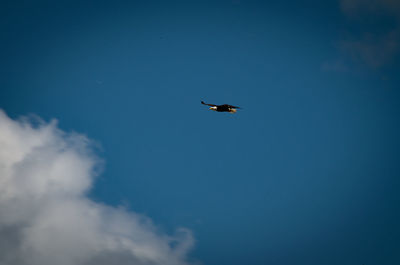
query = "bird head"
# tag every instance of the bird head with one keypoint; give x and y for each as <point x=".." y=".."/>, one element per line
<point x="213" y="108"/>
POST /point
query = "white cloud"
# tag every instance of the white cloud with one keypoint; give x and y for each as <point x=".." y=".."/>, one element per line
<point x="354" y="7"/>
<point x="46" y="217"/>
<point x="374" y="50"/>
<point x="372" y="47"/>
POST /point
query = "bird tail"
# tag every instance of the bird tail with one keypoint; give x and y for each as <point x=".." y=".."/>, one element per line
<point x="232" y="110"/>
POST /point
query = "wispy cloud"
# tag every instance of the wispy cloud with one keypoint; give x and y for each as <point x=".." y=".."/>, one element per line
<point x="46" y="217"/>
<point x="374" y="45"/>
<point x="355" y="7"/>
<point x="374" y="50"/>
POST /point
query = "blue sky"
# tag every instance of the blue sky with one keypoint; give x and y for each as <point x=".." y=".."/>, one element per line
<point x="306" y="173"/>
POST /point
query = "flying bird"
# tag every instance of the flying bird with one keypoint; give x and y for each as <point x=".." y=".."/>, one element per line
<point x="222" y="108"/>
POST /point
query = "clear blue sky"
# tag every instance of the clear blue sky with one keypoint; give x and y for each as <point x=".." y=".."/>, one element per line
<point x="306" y="173"/>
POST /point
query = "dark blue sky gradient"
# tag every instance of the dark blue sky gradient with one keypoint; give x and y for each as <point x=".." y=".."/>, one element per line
<point x="306" y="173"/>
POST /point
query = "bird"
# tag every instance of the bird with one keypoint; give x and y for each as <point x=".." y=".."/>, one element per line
<point x="222" y="108"/>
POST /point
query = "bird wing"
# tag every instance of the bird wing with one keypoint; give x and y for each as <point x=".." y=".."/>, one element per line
<point x="212" y="105"/>
<point x="233" y="107"/>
